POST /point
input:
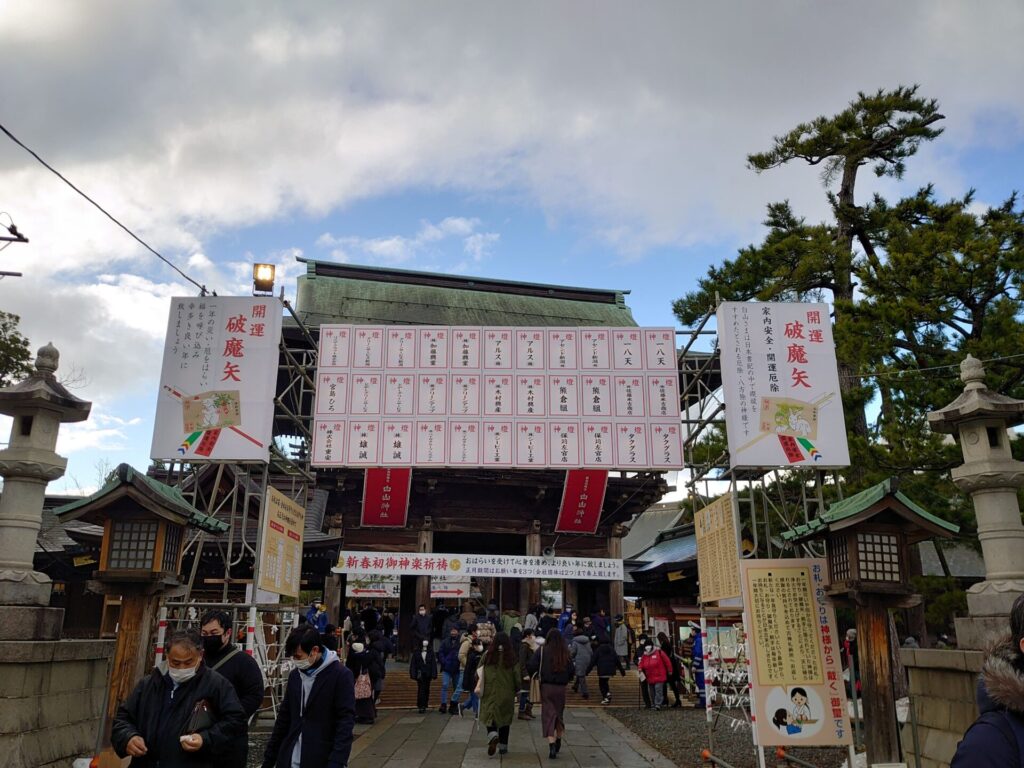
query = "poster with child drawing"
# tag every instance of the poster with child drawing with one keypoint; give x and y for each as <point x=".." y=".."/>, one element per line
<point x="797" y="690"/>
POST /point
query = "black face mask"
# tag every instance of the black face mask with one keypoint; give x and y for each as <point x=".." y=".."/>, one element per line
<point x="212" y="645"/>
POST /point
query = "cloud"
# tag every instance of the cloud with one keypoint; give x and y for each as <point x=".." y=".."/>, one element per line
<point x="396" y="250"/>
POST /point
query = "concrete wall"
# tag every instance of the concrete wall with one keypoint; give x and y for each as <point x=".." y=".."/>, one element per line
<point x="942" y="687"/>
<point x="51" y="700"/>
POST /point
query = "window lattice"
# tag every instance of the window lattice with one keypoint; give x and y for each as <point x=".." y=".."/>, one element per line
<point x="132" y="544"/>
<point x="839" y="558"/>
<point x="171" y="543"/>
<point x="879" y="556"/>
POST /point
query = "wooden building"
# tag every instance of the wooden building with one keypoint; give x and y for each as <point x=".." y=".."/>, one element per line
<point x="482" y="511"/>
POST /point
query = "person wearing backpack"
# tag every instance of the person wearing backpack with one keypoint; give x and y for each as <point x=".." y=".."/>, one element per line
<point x="996" y="738"/>
<point x="366" y="667"/>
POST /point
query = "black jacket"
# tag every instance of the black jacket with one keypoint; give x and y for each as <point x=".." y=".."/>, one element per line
<point x="606" y="661"/>
<point x="422" y="629"/>
<point x="160" y="719"/>
<point x="325" y="721"/>
<point x="242" y="671"/>
<point x="369" y="661"/>
<point x="418" y="668"/>
<point x="997" y="737"/>
<point x="541" y="666"/>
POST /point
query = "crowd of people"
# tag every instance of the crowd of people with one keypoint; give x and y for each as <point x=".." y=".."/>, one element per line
<point x="194" y="709"/>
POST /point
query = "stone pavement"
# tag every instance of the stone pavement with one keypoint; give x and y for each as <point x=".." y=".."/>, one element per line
<point x="593" y="739"/>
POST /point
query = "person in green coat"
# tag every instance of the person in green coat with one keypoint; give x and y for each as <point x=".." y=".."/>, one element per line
<point x="498" y="682"/>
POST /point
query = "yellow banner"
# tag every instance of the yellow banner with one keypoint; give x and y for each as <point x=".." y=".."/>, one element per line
<point x="281" y="552"/>
<point x="717" y="553"/>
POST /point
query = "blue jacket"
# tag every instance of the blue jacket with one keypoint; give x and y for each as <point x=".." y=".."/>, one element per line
<point x="324" y="719"/>
<point x="448" y="655"/>
<point x="996" y="739"/>
<point x="318" y="620"/>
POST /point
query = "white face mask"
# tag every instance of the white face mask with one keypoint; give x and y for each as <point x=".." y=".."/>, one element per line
<point x="541" y="641"/>
<point x="180" y="676"/>
<point x="301" y="664"/>
<point x="424" y="643"/>
<point x="358" y="647"/>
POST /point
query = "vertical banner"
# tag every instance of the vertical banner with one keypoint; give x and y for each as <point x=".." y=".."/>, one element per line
<point x="386" y="497"/>
<point x="582" y="501"/>
<point x="779" y="373"/>
<point x="217" y="382"/>
<point x="281" y="546"/>
<point x="718" y="557"/>
<point x="797" y="695"/>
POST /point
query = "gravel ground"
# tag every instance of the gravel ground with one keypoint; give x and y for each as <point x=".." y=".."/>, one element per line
<point x="681" y="735"/>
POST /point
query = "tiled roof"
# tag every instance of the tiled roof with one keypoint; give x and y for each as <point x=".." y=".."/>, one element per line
<point x="342" y="293"/>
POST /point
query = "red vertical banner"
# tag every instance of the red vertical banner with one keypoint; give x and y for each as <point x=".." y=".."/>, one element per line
<point x="386" y="497"/>
<point x="582" y="501"/>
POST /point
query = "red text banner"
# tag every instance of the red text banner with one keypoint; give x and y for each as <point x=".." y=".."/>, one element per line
<point x="386" y="497"/>
<point x="582" y="500"/>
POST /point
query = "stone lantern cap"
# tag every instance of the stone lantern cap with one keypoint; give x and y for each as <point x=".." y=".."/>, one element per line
<point x="882" y="502"/>
<point x="976" y="402"/>
<point x="41" y="391"/>
<point x="160" y="499"/>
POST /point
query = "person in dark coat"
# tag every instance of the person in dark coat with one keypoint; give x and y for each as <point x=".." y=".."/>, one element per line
<point x="607" y="663"/>
<point x="330" y="638"/>
<point x="240" y="669"/>
<point x="315" y="720"/>
<point x="423" y="669"/>
<point x="156" y="725"/>
<point x="546" y="623"/>
<point x="369" y="618"/>
<point x="448" y="661"/>
<point x="379" y="645"/>
<point x="422" y="627"/>
<point x="996" y="738"/>
<point x="674" y="679"/>
<point x="363" y="659"/>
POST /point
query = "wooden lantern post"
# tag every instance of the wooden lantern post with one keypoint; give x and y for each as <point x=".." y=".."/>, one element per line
<point x="144" y="524"/>
<point x="868" y="537"/>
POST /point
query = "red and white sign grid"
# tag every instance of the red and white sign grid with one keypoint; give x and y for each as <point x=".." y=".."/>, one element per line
<point x="601" y="398"/>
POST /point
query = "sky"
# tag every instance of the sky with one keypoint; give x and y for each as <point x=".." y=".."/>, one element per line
<point x="577" y="143"/>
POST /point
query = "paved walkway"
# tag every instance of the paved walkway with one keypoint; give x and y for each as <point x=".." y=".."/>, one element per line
<point x="593" y="739"/>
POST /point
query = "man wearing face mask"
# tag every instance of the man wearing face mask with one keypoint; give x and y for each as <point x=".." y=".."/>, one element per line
<point x="422" y="628"/>
<point x="315" y="720"/>
<point x="423" y="669"/>
<point x="183" y="715"/>
<point x="240" y="669"/>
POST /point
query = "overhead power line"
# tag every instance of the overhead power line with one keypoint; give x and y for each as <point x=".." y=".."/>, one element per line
<point x="102" y="210"/>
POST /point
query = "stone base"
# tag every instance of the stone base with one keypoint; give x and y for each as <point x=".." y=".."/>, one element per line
<point x="993" y="598"/>
<point x="52" y="695"/>
<point x="980" y="633"/>
<point x="942" y="690"/>
<point x="25" y="588"/>
<point x="22" y="622"/>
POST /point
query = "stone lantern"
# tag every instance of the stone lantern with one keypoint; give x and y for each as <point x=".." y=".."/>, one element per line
<point x="867" y="538"/>
<point x="39" y="405"/>
<point x="980" y="418"/>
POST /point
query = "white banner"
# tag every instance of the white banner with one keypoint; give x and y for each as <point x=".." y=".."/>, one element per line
<point x="466" y="566"/>
<point x="365" y="586"/>
<point x="451" y="587"/>
<point x="218" y="378"/>
<point x="499" y="397"/>
<point x="782" y="402"/>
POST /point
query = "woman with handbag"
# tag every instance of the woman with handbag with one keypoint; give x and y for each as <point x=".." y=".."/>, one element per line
<point x="183" y="715"/>
<point x="366" y="667"/>
<point x="552" y="664"/>
<point x="498" y="680"/>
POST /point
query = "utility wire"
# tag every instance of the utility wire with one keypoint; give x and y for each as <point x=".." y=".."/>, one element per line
<point x="915" y="371"/>
<point x="143" y="243"/>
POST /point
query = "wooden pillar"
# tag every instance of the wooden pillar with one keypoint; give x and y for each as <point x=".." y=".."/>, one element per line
<point x="570" y="594"/>
<point x="880" y="731"/>
<point x="424" y="543"/>
<point x="530" y="596"/>
<point x="616" y="596"/>
<point x="131" y="653"/>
